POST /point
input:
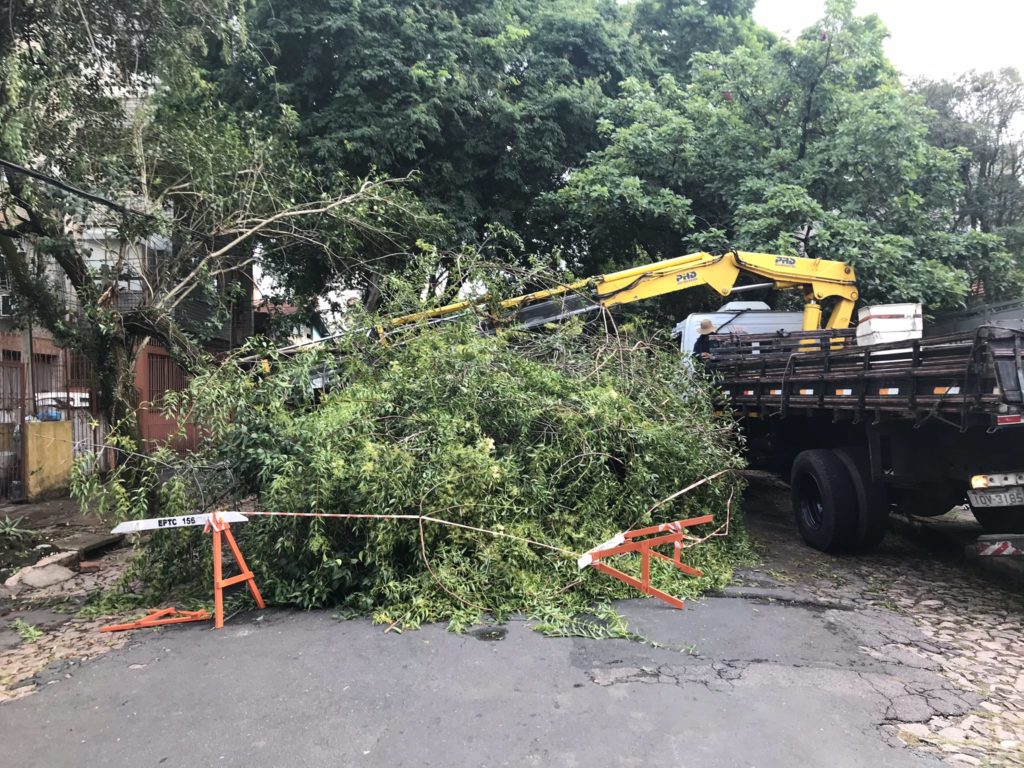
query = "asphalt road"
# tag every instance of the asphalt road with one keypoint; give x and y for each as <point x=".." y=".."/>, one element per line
<point x="807" y="660"/>
<point x="737" y="682"/>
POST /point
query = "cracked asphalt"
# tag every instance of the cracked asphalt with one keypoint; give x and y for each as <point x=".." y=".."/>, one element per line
<point x="897" y="659"/>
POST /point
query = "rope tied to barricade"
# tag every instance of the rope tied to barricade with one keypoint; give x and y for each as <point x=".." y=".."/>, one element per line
<point x="640" y="541"/>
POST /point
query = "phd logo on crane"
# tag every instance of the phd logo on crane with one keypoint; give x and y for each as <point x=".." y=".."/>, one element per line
<point x="686" y="277"/>
<point x="785" y="261"/>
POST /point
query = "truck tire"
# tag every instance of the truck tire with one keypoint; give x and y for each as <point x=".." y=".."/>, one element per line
<point x="824" y="501"/>
<point x="872" y="499"/>
<point x="1000" y="519"/>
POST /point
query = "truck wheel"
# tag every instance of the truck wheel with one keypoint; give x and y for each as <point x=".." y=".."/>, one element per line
<point x="1000" y="519"/>
<point x="824" y="501"/>
<point x="872" y="499"/>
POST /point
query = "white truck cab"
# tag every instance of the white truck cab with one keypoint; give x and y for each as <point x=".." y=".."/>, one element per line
<point x="737" y="317"/>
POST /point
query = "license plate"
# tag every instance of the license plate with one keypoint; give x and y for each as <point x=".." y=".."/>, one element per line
<point x="1010" y="497"/>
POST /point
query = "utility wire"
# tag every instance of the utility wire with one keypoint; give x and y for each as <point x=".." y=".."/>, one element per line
<point x="93" y="197"/>
<point x="54" y="182"/>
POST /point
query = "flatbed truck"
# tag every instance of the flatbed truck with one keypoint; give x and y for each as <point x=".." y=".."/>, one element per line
<point x="920" y="425"/>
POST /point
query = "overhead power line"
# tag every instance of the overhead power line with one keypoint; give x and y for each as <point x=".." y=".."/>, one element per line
<point x="71" y="189"/>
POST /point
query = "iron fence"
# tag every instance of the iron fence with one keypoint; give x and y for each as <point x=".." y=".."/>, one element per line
<point x="57" y="386"/>
<point x="12" y="380"/>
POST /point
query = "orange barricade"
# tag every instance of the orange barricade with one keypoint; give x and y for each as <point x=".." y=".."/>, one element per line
<point x="221" y="529"/>
<point x="157" y="617"/>
<point x="633" y="541"/>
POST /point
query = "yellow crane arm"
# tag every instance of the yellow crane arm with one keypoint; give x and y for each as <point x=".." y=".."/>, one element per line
<point x="819" y="279"/>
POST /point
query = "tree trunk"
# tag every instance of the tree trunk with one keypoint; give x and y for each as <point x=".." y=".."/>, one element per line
<point x="115" y="360"/>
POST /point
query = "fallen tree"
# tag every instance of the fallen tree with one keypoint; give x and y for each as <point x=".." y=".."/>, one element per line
<point x="537" y="447"/>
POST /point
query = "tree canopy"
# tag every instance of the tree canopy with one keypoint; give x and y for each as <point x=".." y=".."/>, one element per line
<point x="809" y="147"/>
<point x="591" y="133"/>
<point x="130" y="192"/>
<point x="615" y="133"/>
<point x="980" y="113"/>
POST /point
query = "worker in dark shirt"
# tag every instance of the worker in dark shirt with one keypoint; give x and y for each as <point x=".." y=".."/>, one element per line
<point x="702" y="346"/>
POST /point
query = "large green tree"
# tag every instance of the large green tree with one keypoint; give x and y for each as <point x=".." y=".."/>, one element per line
<point x="107" y="125"/>
<point x="672" y="31"/>
<point x="603" y="133"/>
<point x="487" y="101"/>
<point x="983" y="112"/>
<point x="809" y="147"/>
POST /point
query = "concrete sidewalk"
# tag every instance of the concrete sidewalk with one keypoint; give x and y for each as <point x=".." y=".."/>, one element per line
<point x="60" y="533"/>
<point x="62" y="525"/>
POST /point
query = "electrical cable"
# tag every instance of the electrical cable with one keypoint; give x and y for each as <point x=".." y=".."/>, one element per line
<point x="70" y="188"/>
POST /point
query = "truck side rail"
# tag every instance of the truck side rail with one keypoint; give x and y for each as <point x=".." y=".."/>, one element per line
<point x="967" y="379"/>
<point x="738" y="347"/>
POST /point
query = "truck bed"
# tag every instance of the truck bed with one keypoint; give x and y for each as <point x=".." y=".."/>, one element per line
<point x="971" y="379"/>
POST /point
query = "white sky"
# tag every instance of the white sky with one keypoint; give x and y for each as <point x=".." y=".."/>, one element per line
<point x="928" y="38"/>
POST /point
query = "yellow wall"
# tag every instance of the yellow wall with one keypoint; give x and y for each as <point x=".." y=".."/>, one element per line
<point x="47" y="458"/>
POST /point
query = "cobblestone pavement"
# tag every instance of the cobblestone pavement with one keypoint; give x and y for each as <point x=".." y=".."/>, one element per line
<point x="66" y="640"/>
<point x="970" y="631"/>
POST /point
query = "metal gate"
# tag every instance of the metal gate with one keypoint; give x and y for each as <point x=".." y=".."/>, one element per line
<point x="12" y="404"/>
<point x="89" y="432"/>
<point x="64" y="390"/>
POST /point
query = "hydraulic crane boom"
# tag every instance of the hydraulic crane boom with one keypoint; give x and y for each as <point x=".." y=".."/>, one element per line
<point x="817" y="278"/>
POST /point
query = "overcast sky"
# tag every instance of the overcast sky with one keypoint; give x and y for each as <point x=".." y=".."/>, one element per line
<point x="928" y="38"/>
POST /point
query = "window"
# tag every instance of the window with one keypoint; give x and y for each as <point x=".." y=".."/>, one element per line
<point x="79" y="371"/>
<point x="165" y="375"/>
<point x="47" y="373"/>
<point x="6" y="304"/>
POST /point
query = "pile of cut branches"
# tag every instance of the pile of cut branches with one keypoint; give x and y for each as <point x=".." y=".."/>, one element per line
<point x="540" y="445"/>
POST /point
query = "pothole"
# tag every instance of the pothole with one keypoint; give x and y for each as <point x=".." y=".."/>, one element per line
<point x="489" y="634"/>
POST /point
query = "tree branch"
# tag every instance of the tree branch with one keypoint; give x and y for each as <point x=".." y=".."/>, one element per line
<point x="173" y="297"/>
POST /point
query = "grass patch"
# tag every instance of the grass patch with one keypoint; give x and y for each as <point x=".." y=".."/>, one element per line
<point x="28" y="633"/>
